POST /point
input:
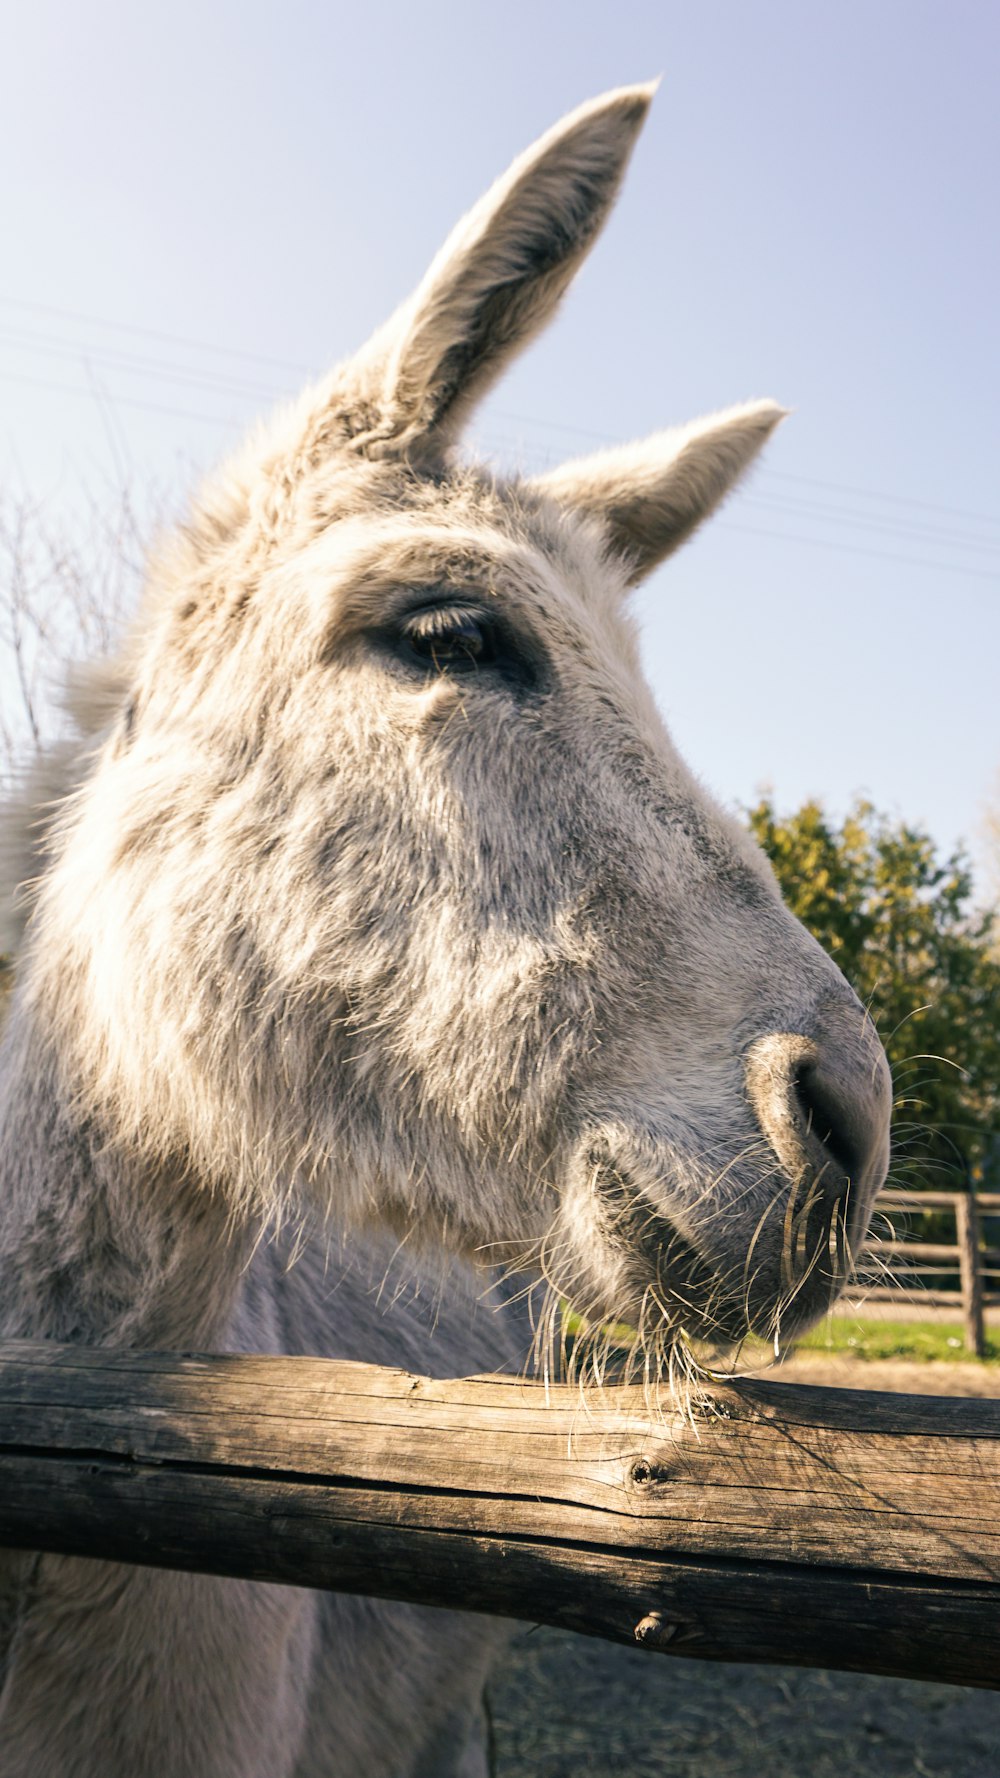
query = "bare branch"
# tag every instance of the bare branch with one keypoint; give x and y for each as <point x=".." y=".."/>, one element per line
<point x="67" y="582"/>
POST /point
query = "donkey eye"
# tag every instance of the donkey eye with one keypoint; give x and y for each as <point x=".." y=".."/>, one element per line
<point x="450" y="639"/>
<point x="463" y="639"/>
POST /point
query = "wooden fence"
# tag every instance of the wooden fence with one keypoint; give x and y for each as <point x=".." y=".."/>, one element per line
<point x="804" y="1526"/>
<point x="807" y="1526"/>
<point x="897" y="1267"/>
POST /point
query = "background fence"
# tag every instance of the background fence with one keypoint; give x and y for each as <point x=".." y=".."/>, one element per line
<point x="903" y="1266"/>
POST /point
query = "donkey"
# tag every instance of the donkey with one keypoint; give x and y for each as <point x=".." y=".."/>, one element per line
<point x="373" y="910"/>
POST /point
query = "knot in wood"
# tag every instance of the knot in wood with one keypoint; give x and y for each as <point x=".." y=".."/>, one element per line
<point x="643" y="1472"/>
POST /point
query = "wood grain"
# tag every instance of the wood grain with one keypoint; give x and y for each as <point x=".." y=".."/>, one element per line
<point x="775" y="1523"/>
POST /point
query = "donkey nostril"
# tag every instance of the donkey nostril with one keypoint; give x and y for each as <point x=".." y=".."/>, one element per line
<point x="831" y="1117"/>
<point x="823" y="1104"/>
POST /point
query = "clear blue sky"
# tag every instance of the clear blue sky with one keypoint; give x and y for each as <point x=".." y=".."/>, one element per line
<point x="811" y="214"/>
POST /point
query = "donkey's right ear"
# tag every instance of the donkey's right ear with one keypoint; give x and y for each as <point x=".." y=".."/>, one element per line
<point x="500" y="274"/>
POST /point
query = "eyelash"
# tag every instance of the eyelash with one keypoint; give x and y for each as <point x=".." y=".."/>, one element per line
<point x="452" y="638"/>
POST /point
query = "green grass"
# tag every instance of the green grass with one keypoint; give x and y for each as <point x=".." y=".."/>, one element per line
<point x="920" y="1341"/>
<point x="924" y="1340"/>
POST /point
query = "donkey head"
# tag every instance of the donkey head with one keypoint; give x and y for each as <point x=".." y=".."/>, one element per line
<point x="387" y="889"/>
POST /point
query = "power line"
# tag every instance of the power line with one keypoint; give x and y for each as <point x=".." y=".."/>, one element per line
<point x="820" y="511"/>
<point x="833" y="515"/>
<point x="150" y="333"/>
<point x="748" y="530"/>
<point x="135" y="364"/>
<point x="955" y="512"/>
<point x="602" y="440"/>
<point x="569" y="430"/>
<point x="853" y="549"/>
<point x="150" y="407"/>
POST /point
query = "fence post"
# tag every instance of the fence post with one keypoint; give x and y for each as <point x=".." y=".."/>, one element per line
<point x="967" y="1220"/>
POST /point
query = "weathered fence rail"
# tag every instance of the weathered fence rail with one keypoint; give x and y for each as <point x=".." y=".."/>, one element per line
<point x="896" y="1271"/>
<point x="798" y="1525"/>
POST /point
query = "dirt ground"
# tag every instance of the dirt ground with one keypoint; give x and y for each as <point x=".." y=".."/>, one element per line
<point x="956" y="1377"/>
<point x="566" y="1707"/>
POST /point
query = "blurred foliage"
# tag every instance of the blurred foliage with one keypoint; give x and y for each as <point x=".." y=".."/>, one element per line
<point x="989" y="838"/>
<point x="901" y="923"/>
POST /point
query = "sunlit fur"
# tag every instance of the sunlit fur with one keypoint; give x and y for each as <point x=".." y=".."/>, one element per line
<point x="346" y="978"/>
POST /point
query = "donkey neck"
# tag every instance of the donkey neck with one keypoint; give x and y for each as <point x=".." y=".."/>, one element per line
<point x="98" y="1244"/>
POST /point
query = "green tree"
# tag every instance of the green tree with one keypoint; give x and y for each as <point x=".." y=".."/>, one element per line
<point x="900" y="922"/>
<point x="989" y="849"/>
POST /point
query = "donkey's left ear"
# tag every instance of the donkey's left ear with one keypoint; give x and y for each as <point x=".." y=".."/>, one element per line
<point x="500" y="274"/>
<point x="650" y="496"/>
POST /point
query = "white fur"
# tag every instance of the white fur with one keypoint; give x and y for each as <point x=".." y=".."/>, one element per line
<point x="334" y="949"/>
